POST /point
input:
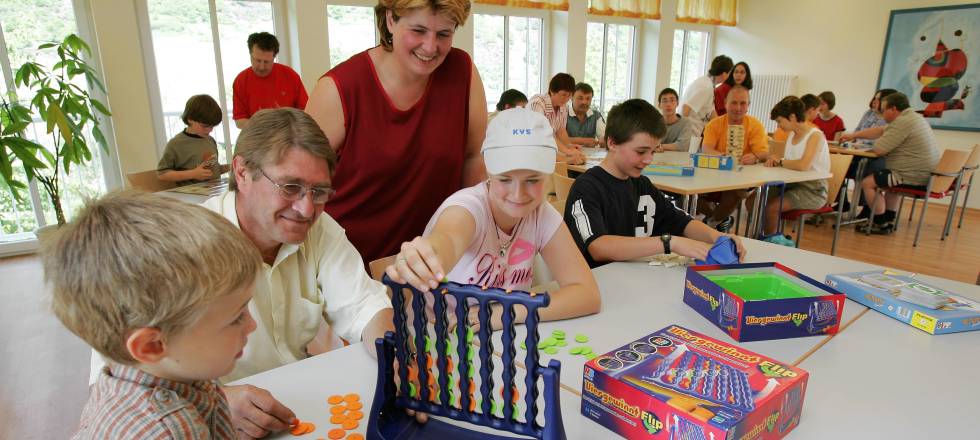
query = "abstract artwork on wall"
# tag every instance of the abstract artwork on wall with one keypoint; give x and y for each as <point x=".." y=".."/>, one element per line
<point x="926" y="57"/>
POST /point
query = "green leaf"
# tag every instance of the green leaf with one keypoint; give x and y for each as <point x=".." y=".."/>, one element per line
<point x="49" y="157"/>
<point x="15" y="127"/>
<point x="29" y="159"/>
<point x="77" y="44"/>
<point x="57" y="117"/>
<point x="100" y="138"/>
<point x="100" y="107"/>
<point x="47" y="46"/>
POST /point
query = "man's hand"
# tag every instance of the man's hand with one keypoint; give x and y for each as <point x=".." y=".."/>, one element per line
<point x="847" y="137"/>
<point x="749" y="159"/>
<point x="255" y="413"/>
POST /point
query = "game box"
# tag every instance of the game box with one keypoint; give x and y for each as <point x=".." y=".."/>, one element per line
<point x="900" y="296"/>
<point x="679" y="384"/>
<point x="712" y="161"/>
<point x="665" y="169"/>
<point x="760" y="301"/>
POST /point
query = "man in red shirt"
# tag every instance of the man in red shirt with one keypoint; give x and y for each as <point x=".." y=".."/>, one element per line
<point x="266" y="84"/>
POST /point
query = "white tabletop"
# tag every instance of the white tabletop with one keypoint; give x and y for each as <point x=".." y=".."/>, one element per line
<point x="638" y="299"/>
<point x="707" y="180"/>
<point x="197" y="193"/>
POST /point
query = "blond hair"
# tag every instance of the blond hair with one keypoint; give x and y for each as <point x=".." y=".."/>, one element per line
<point x="272" y="132"/>
<point x="455" y="10"/>
<point x="131" y="260"/>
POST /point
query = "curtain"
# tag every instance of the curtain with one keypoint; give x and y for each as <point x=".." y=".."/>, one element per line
<point x="558" y="5"/>
<point x="649" y="9"/>
<point x="718" y="12"/>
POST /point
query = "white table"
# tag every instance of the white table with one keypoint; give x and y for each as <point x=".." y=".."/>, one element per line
<point x="638" y="299"/>
<point x="197" y="193"/>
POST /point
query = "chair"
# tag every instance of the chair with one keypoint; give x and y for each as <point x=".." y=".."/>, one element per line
<point x="838" y="169"/>
<point x="377" y="267"/>
<point x="943" y="181"/>
<point x="561" y="168"/>
<point x="148" y="181"/>
<point x="559" y="206"/>
<point x="972" y="163"/>
<point x="563" y="185"/>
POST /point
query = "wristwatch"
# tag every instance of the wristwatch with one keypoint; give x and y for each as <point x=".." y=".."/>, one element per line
<point x="665" y="239"/>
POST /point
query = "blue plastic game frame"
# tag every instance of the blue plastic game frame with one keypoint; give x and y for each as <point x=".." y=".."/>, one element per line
<point x="388" y="419"/>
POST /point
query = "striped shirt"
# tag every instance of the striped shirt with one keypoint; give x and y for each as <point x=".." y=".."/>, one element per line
<point x="910" y="148"/>
<point x="129" y="403"/>
<point x="558" y="118"/>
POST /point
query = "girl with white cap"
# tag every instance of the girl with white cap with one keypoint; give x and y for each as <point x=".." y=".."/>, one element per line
<point x="490" y="233"/>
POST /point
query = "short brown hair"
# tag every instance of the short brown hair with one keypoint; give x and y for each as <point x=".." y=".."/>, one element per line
<point x="270" y="133"/>
<point x="561" y="82"/>
<point x="132" y="259"/>
<point x="829" y="98"/>
<point x="789" y="105"/>
<point x="265" y="41"/>
<point x="456" y="10"/>
<point x="810" y="101"/>
<point x="634" y="116"/>
<point x="203" y="109"/>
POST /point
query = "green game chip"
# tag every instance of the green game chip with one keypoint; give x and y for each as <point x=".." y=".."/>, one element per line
<point x="523" y="346"/>
<point x="561" y="343"/>
<point x="551" y="350"/>
<point x="558" y="334"/>
<point x="548" y="342"/>
<point x="580" y="338"/>
<point x="575" y="350"/>
<point x="469" y="335"/>
<point x="585" y="349"/>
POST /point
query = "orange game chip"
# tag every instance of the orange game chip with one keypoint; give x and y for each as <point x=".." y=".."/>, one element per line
<point x="350" y="425"/>
<point x="336" y="434"/>
<point x="339" y="409"/>
<point x="352" y="397"/>
<point x="338" y="419"/>
<point x="335" y="399"/>
<point x="302" y="428"/>
<point x="355" y="436"/>
<point x="355" y="415"/>
<point x="354" y="406"/>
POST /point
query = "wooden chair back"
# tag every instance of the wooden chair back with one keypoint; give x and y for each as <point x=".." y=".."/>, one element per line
<point x="148" y="181"/>
<point x="972" y="163"/>
<point x="838" y="171"/>
<point x="951" y="162"/>
<point x="377" y="267"/>
<point x="563" y="185"/>
<point x="561" y="168"/>
<point x="559" y="206"/>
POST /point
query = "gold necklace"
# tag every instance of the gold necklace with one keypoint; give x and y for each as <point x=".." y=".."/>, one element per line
<point x="504" y="246"/>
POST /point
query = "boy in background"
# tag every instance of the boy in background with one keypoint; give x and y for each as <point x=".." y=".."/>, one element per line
<point x="192" y="155"/>
<point x="160" y="288"/>
<point x="678" y="137"/>
<point x="827" y="121"/>
<point x="616" y="214"/>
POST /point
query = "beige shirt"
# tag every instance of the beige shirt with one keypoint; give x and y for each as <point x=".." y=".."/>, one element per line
<point x="321" y="278"/>
<point x="910" y="147"/>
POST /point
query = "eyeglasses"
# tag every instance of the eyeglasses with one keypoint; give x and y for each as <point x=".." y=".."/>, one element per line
<point x="295" y="191"/>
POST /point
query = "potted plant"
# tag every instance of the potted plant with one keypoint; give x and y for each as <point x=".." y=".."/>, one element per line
<point x="70" y="114"/>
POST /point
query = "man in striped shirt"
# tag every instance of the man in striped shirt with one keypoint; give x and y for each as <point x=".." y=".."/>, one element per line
<point x="553" y="106"/>
<point x="160" y="289"/>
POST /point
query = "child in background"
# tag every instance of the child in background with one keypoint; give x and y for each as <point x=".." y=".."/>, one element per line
<point x="827" y="121"/>
<point x="616" y="214"/>
<point x="160" y="288"/>
<point x="192" y="155"/>
<point x="810" y="105"/>
<point x="741" y="75"/>
<point x="490" y="233"/>
<point x="678" y="137"/>
<point x="509" y="99"/>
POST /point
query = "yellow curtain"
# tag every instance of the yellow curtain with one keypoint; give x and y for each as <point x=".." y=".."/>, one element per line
<point x="649" y="9"/>
<point x="718" y="12"/>
<point x="557" y="5"/>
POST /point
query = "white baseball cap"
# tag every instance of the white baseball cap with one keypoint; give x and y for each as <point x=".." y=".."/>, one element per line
<point x="519" y="139"/>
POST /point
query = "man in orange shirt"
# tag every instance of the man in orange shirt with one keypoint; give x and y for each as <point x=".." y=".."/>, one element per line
<point x="755" y="149"/>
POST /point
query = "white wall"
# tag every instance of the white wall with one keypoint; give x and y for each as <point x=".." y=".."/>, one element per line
<point x="831" y="45"/>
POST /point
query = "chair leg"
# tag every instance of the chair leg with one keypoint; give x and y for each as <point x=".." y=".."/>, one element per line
<point x="911" y="211"/>
<point x="969" y="186"/>
<point x="922" y="216"/>
<point x="799" y="231"/>
<point x="952" y="208"/>
<point x="871" y="217"/>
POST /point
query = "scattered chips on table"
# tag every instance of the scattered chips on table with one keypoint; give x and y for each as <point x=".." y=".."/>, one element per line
<point x="580" y="338"/>
<point x="298" y="428"/>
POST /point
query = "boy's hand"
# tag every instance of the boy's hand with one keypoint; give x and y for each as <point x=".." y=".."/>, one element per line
<point x="690" y="248"/>
<point x="255" y="413"/>
<point x="738" y="246"/>
<point x="202" y="172"/>
<point x="417" y="265"/>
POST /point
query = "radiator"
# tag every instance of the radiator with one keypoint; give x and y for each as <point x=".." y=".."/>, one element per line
<point x="767" y="90"/>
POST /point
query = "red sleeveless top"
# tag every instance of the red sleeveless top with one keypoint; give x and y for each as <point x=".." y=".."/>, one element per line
<point x="396" y="167"/>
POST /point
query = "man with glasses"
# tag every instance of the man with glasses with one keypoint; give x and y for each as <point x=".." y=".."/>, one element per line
<point x="266" y="83"/>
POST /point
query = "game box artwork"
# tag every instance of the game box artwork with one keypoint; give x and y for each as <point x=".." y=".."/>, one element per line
<point x="760" y="301"/>
<point x="679" y="384"/>
<point x="900" y="296"/>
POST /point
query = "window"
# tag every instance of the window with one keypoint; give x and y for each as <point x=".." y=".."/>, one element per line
<point x="689" y="58"/>
<point x="508" y="54"/>
<point x="352" y="30"/>
<point x="21" y="32"/>
<point x="609" y="63"/>
<point x="185" y="56"/>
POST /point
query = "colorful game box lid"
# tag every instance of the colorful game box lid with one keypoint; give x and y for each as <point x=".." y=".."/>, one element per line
<point x="666" y="169"/>
<point x="901" y="296"/>
<point x="712" y="161"/>
<point x="677" y="383"/>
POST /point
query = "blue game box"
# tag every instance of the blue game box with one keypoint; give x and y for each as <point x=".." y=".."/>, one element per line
<point x="680" y="384"/>
<point x="901" y="296"/>
<point x="761" y="301"/>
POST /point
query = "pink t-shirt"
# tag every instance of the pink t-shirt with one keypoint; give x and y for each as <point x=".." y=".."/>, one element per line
<point x="481" y="262"/>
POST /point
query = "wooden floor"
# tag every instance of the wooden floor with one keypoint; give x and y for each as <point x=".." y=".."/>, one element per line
<point x="44" y="368"/>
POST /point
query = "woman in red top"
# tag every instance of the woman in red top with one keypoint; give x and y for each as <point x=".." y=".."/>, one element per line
<point x="407" y="119"/>
<point x="740" y="75"/>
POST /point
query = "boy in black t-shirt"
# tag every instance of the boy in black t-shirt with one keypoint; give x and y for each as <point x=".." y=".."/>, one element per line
<point x="616" y="214"/>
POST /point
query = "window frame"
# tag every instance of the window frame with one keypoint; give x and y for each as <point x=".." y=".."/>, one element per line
<point x="355" y="3"/>
<point x="26" y="242"/>
<point x="709" y="47"/>
<point x="637" y="25"/>
<point x="508" y="12"/>
<point x="280" y="29"/>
